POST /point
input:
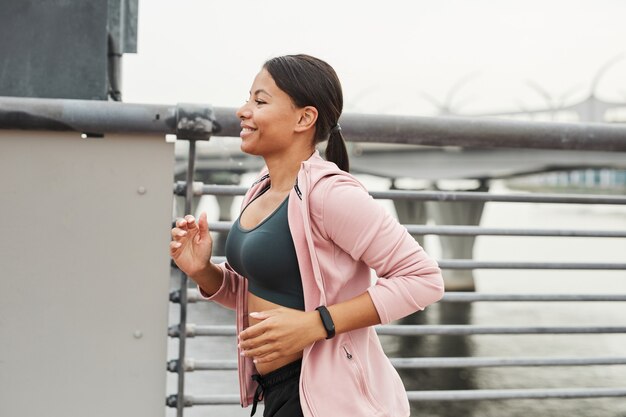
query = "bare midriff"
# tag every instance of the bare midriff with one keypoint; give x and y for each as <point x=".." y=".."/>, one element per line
<point x="259" y="305"/>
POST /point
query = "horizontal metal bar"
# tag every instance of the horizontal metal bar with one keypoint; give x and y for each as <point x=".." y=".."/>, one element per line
<point x="192" y="365"/>
<point x="491" y="231"/>
<point x="470" y="264"/>
<point x="215" y="399"/>
<point x="467" y="297"/>
<point x="418" y="363"/>
<point x="457" y="395"/>
<point x="107" y="117"/>
<point x="441" y="196"/>
<point x="421" y="330"/>
<point x="413" y="330"/>
<point x="448" y="196"/>
<point x="515" y="394"/>
<point x="465" y="132"/>
<point x="224" y="226"/>
<point x="194" y="330"/>
<point x="451" y="329"/>
<point x="187" y="121"/>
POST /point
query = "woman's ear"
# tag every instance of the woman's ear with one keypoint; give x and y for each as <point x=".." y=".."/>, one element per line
<point x="307" y="120"/>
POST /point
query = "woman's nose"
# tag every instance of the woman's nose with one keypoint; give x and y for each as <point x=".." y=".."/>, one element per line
<point x="243" y="112"/>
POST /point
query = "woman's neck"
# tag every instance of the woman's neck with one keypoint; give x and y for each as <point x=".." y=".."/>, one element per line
<point x="284" y="169"/>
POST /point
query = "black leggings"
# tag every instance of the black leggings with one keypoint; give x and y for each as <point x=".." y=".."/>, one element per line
<point x="279" y="391"/>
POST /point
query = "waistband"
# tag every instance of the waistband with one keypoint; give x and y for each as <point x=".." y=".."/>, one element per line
<point x="280" y="375"/>
<point x="273" y="379"/>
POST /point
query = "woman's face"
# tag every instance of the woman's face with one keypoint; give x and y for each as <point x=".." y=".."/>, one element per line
<point x="267" y="119"/>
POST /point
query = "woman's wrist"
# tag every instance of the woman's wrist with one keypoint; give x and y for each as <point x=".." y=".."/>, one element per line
<point x="319" y="331"/>
<point x="209" y="278"/>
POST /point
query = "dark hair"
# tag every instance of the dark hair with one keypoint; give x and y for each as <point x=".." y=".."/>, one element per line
<point x="309" y="81"/>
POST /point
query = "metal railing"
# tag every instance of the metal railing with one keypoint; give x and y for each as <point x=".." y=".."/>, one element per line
<point x="197" y="122"/>
<point x="458" y="297"/>
<point x="474" y="134"/>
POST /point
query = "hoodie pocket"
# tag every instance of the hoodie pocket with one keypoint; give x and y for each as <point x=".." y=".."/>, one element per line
<point x="359" y="376"/>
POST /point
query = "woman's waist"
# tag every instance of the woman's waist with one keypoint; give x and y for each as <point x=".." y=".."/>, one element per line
<point x="266" y="368"/>
<point x="258" y="304"/>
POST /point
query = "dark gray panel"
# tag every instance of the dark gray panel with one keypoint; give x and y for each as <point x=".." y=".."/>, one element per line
<point x="53" y="48"/>
<point x="122" y="24"/>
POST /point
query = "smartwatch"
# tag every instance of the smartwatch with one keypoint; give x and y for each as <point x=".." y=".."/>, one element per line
<point x="327" y="321"/>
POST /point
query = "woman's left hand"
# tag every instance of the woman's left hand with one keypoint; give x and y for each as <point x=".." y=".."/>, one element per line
<point x="281" y="332"/>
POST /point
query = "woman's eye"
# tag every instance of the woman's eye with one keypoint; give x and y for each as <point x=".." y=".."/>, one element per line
<point x="259" y="101"/>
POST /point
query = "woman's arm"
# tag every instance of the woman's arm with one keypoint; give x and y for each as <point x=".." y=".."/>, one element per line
<point x="409" y="279"/>
<point x="285" y="331"/>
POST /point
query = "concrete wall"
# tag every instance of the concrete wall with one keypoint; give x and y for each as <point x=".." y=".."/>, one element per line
<point x="84" y="274"/>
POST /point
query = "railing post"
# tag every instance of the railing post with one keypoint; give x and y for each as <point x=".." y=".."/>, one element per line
<point x="193" y="122"/>
<point x="182" y="341"/>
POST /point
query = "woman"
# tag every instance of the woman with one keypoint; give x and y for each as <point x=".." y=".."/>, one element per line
<point x="299" y="259"/>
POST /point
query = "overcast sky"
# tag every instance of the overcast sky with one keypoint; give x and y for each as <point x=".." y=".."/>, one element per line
<point x="388" y="54"/>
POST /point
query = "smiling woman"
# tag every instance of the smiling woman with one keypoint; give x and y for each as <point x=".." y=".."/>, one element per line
<point x="299" y="259"/>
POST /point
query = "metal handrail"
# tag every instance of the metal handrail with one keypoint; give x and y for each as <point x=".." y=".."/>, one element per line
<point x="193" y="330"/>
<point x="193" y="365"/>
<point x="441" y="196"/>
<point x="470" y="264"/>
<point x="203" y="121"/>
<point x="459" y="395"/>
<point x="452" y="230"/>
<point x="194" y="296"/>
<point x="513" y="394"/>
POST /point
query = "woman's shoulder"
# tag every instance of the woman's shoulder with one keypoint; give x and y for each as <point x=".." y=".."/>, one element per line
<point x="325" y="173"/>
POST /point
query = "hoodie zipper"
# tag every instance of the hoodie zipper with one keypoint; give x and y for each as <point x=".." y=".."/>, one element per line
<point x="298" y="192"/>
<point x="314" y="266"/>
<point x="242" y="363"/>
<point x="360" y="379"/>
<point x="263" y="178"/>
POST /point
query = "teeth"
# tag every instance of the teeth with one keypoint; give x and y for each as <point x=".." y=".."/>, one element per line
<point x="247" y="129"/>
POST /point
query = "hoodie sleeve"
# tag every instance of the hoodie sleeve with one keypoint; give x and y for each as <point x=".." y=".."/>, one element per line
<point x="226" y="295"/>
<point x="409" y="279"/>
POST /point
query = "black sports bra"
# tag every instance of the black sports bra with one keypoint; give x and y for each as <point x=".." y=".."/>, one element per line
<point x="266" y="256"/>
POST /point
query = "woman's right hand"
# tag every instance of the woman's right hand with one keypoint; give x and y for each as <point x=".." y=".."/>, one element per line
<point x="191" y="244"/>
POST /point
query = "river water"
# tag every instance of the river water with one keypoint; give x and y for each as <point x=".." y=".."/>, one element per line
<point x="518" y="215"/>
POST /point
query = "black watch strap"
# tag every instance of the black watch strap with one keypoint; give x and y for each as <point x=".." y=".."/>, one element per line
<point x="327" y="321"/>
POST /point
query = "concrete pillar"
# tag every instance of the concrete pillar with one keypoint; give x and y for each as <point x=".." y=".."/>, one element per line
<point x="411" y="212"/>
<point x="458" y="247"/>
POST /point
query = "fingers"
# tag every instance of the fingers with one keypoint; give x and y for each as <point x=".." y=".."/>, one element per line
<point x="178" y="233"/>
<point x="260" y="347"/>
<point x="191" y="222"/>
<point x="203" y="225"/>
<point x="266" y="358"/>
<point x="252" y="332"/>
<point x="186" y="223"/>
<point x="183" y="227"/>
<point x="174" y="245"/>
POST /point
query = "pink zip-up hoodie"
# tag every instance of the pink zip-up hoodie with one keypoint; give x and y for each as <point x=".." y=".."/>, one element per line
<point x="339" y="233"/>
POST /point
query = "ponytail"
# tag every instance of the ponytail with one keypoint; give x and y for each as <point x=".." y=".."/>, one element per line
<point x="336" y="149"/>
